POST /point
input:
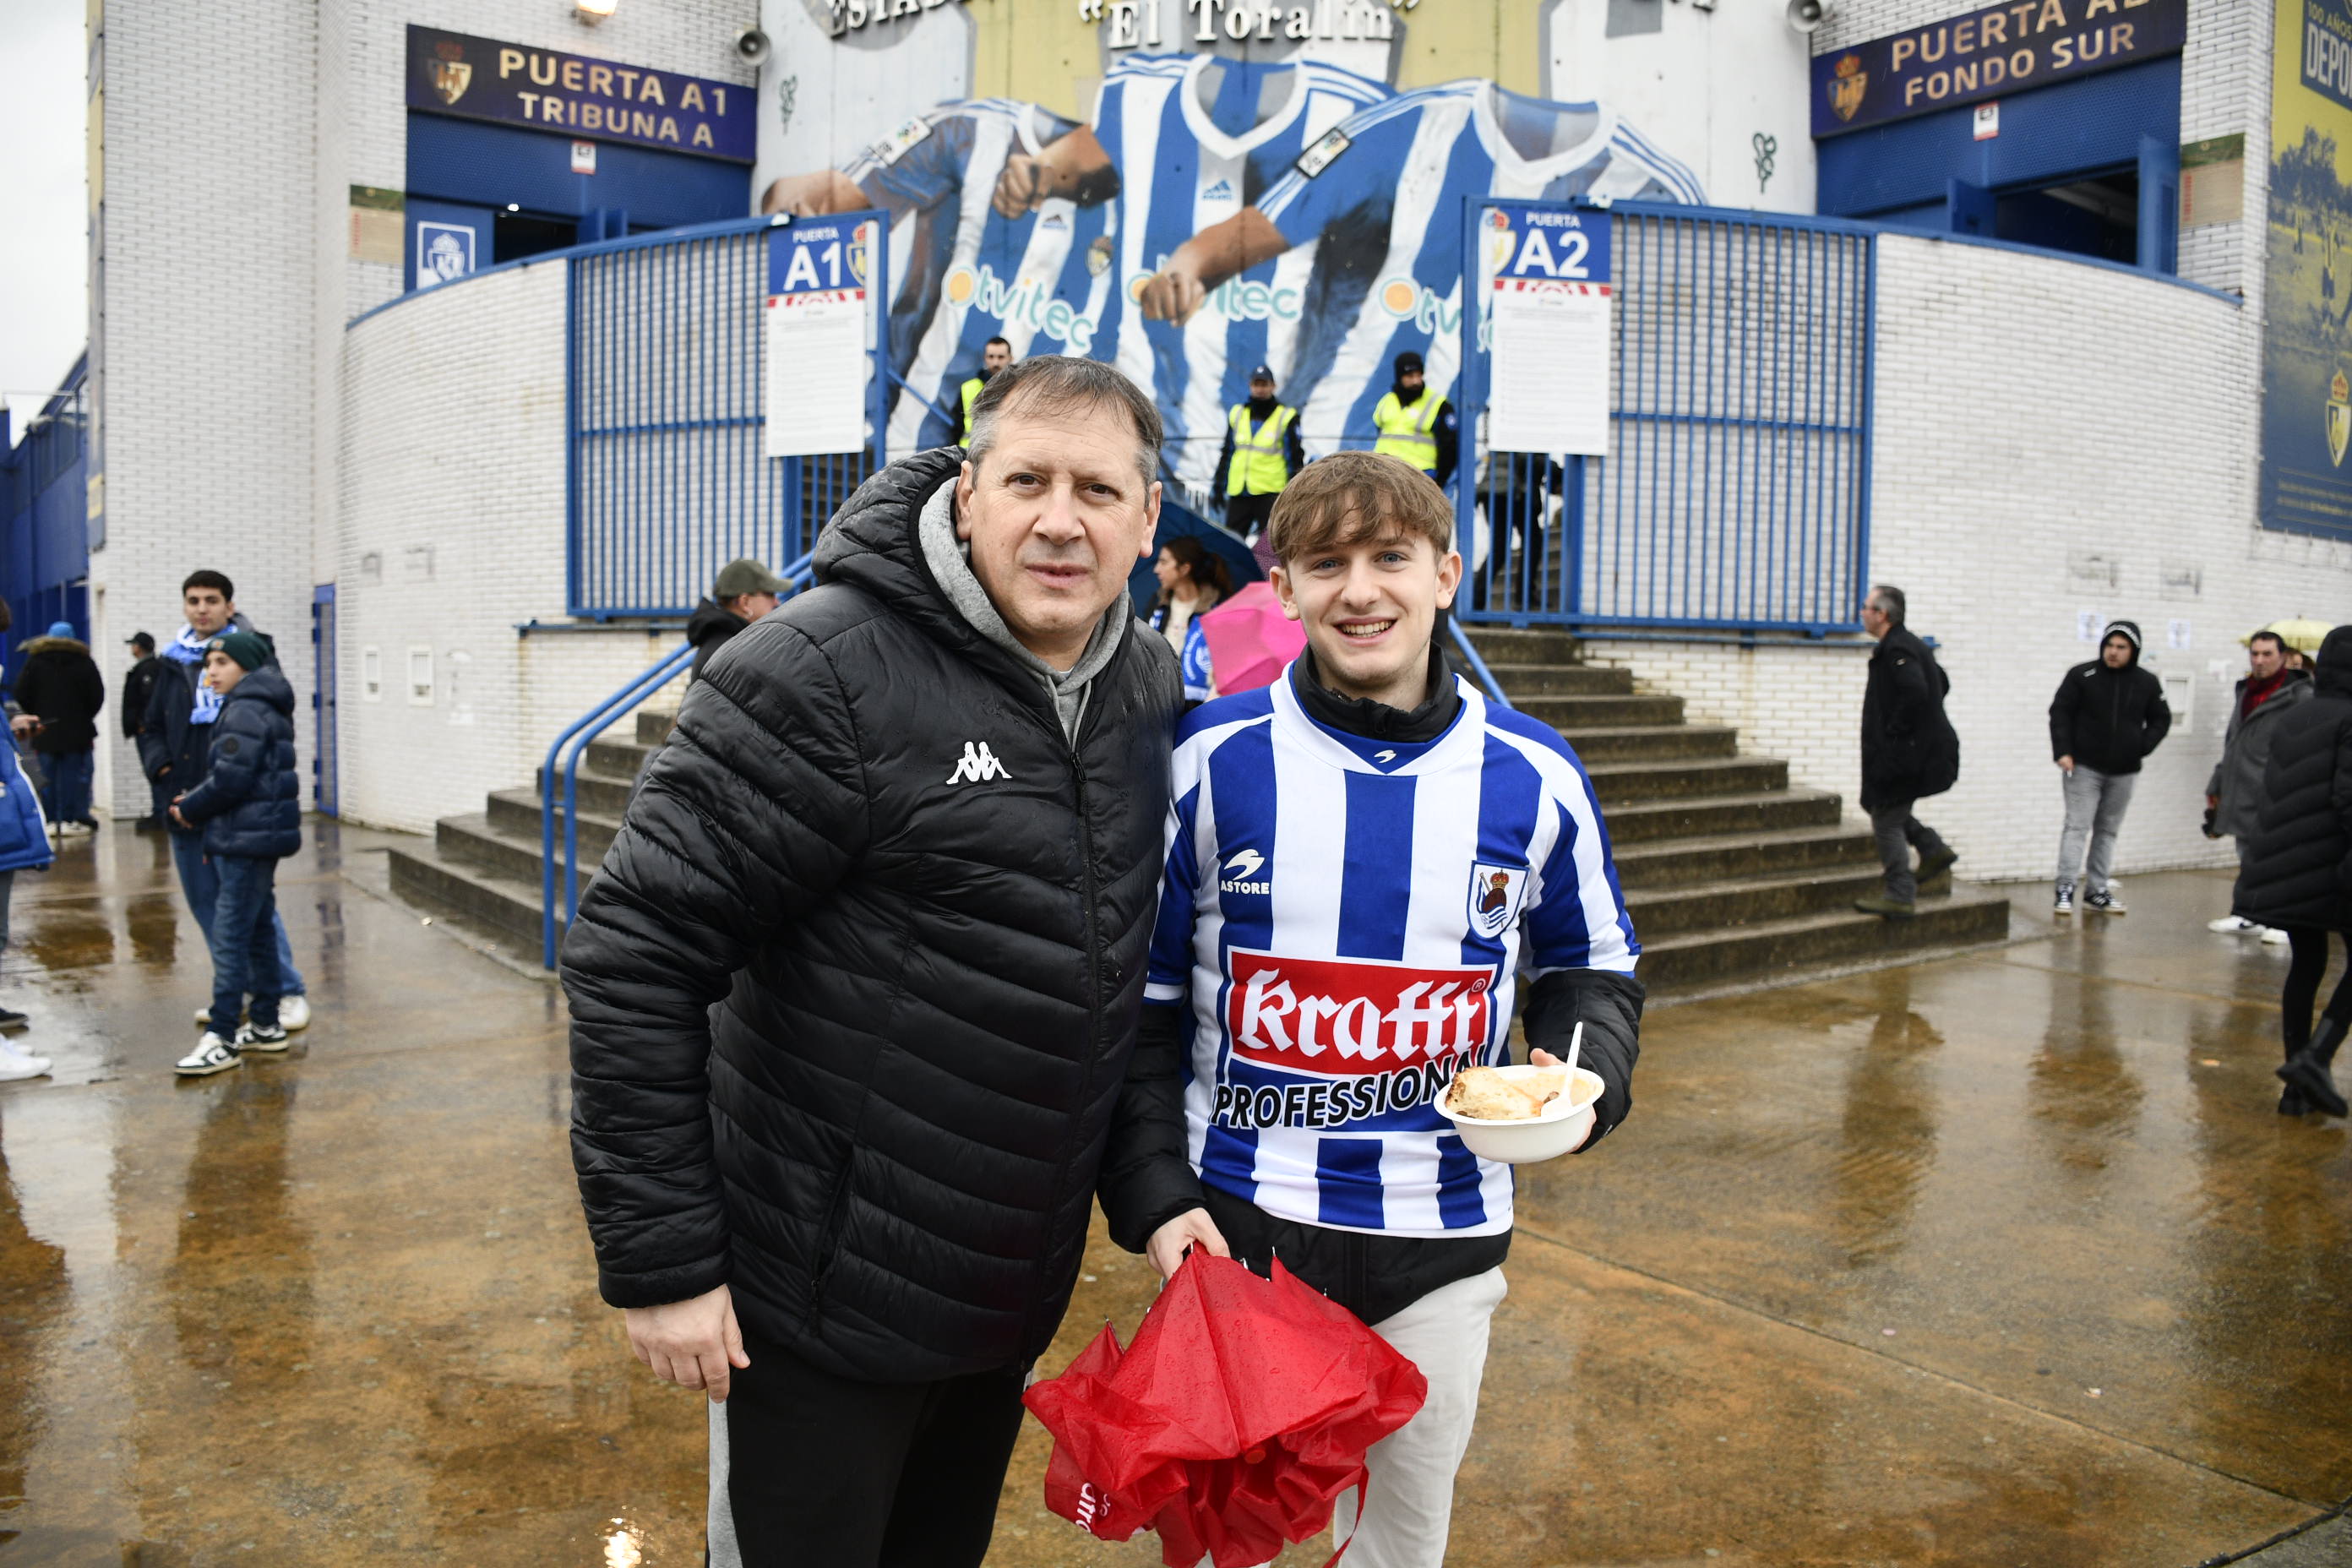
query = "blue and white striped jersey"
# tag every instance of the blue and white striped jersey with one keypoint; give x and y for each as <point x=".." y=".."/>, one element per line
<point x="1193" y="149"/>
<point x="965" y="272"/>
<point x="1388" y="186"/>
<point x="1343" y="918"/>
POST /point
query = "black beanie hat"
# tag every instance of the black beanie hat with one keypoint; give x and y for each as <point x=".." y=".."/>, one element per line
<point x="1407" y="361"/>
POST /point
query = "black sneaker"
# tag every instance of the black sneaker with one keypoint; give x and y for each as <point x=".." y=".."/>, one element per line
<point x="2292" y="1102"/>
<point x="1880" y="904"/>
<point x="1941" y="861"/>
<point x="2064" y="904"/>
<point x="261" y="1037"/>
<point x="2103" y="902"/>
<point x="12" y="1019"/>
<point x="2309" y="1073"/>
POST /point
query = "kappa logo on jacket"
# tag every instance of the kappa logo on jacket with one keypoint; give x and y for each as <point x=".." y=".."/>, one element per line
<point x="977" y="765"/>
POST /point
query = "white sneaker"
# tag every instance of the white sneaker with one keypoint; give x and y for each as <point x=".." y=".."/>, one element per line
<point x="2232" y="925"/>
<point x="212" y="1055"/>
<point x="254" y="1037"/>
<point x="14" y="1064"/>
<point x="293" y="1013"/>
<point x="2273" y="936"/>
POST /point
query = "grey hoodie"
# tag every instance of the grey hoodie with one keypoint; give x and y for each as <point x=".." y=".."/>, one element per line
<point x="949" y="560"/>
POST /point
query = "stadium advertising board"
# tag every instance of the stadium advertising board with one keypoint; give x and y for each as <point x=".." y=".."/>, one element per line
<point x="1185" y="188"/>
<point x="2306" y="339"/>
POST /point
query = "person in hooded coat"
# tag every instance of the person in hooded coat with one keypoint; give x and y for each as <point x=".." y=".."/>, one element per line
<point x="744" y="591"/>
<point x="2109" y="715"/>
<point x="2297" y="875"/>
<point x="854" y="992"/>
<point x="59" y="692"/>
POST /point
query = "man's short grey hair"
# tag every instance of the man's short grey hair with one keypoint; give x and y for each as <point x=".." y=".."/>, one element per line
<point x="1887" y="601"/>
<point x="1049" y="386"/>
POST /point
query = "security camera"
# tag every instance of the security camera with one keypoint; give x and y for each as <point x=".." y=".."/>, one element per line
<point x="752" y="45"/>
<point x="1807" y="16"/>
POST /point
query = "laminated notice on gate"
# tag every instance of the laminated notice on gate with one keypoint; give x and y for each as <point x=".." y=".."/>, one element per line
<point x="816" y="372"/>
<point x="1549" y="389"/>
<point x="1546" y="268"/>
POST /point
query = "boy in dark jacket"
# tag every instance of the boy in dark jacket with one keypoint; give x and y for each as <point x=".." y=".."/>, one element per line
<point x="249" y="809"/>
<point x="2108" y="715"/>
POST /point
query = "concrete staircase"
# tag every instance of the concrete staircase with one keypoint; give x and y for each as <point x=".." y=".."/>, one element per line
<point x="1732" y="877"/>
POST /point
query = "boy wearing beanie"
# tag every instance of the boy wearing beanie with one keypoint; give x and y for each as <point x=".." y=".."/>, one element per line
<point x="249" y="809"/>
<point x="2108" y="715"/>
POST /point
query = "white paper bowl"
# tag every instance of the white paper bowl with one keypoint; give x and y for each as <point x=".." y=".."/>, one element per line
<point x="1564" y="1124"/>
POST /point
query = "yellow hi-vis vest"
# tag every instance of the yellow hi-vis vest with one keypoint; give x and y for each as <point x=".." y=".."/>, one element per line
<point x="1258" y="466"/>
<point x="971" y="390"/>
<point x="1406" y="431"/>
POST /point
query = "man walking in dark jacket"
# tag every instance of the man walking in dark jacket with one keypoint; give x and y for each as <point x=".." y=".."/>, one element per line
<point x="2108" y="716"/>
<point x="248" y="810"/>
<point x="854" y="995"/>
<point x="1908" y="752"/>
<point x="59" y="694"/>
<point x="2233" y="796"/>
<point x="138" y="688"/>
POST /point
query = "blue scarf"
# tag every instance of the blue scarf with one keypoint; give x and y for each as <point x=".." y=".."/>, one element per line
<point x="189" y="649"/>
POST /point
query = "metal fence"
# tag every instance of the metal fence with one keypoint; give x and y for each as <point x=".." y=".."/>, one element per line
<point x="667" y="372"/>
<point x="1736" y="491"/>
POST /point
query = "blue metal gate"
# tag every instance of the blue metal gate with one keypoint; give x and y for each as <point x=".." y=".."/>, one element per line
<point x="666" y="421"/>
<point x="1736" y="488"/>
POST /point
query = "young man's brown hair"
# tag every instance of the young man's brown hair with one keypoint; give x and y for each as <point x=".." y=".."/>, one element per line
<point x="1349" y="496"/>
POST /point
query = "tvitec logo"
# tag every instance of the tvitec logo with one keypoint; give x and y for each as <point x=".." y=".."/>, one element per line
<point x="1023" y="301"/>
<point x="1408" y="299"/>
<point x="1236" y="299"/>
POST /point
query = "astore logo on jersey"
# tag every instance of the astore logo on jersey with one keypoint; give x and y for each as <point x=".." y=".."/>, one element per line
<point x="1242" y="874"/>
<point x="1338" y="1017"/>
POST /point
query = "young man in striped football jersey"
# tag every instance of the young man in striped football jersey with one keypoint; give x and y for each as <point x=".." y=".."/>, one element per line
<point x="1362" y="859"/>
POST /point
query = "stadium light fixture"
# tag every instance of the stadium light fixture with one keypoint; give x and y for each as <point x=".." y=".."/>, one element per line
<point x="591" y="12"/>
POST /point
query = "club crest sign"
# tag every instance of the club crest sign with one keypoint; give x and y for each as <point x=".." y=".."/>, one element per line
<point x="452" y="73"/>
<point x="1494" y="897"/>
<point x="1848" y="83"/>
<point x="2339" y="417"/>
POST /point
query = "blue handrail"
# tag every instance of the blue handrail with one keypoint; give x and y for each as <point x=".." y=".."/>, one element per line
<point x="594" y="722"/>
<point x="1478" y="665"/>
<point x="796" y="575"/>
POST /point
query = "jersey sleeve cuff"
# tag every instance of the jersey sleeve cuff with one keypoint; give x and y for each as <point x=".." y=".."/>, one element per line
<point x="1159" y="991"/>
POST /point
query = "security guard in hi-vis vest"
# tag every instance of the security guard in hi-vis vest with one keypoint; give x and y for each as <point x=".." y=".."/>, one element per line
<point x="1262" y="451"/>
<point x="994" y="355"/>
<point x="1416" y="427"/>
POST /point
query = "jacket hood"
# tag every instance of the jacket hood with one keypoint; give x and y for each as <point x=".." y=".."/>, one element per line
<point x="55" y="644"/>
<point x="872" y="545"/>
<point x="2130" y="631"/>
<point x="712" y="619"/>
<point x="267" y="684"/>
<point x="2335" y="676"/>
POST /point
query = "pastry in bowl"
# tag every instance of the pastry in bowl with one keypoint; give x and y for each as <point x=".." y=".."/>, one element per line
<point x="1489" y="1095"/>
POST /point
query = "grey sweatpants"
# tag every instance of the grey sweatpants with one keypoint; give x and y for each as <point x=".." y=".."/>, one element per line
<point x="1899" y="832"/>
<point x="2095" y="803"/>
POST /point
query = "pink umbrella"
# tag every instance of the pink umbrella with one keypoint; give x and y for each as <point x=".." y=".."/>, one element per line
<point x="1250" y="639"/>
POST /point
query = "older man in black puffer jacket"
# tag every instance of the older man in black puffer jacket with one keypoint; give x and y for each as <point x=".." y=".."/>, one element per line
<point x="2298" y="876"/>
<point x="854" y="995"/>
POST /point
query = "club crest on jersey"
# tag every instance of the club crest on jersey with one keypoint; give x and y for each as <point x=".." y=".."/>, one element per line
<point x="1241" y="874"/>
<point x="1494" y="893"/>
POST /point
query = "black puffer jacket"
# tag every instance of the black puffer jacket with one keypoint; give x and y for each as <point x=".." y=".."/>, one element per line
<point x="850" y="1023"/>
<point x="1908" y="748"/>
<point x="2299" y="872"/>
<point x="2108" y="720"/>
<point x="708" y="630"/>
<point x="251" y="800"/>
<point x="60" y="685"/>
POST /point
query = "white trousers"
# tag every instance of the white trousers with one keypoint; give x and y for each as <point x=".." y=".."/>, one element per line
<point x="1410" y="1494"/>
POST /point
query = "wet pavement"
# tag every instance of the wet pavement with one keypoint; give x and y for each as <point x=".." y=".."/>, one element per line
<point x="2004" y="1260"/>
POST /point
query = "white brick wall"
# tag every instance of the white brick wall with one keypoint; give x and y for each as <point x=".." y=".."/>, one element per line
<point x="2032" y="415"/>
<point x="449" y="534"/>
<point x="208" y="185"/>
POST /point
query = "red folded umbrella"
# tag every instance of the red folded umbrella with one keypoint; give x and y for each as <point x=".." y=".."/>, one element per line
<point x="1241" y="1412"/>
<point x="1250" y="639"/>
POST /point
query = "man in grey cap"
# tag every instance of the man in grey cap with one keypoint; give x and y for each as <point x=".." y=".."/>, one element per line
<point x="744" y="591"/>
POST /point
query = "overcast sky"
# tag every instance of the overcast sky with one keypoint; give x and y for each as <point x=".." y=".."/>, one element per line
<point x="44" y="251"/>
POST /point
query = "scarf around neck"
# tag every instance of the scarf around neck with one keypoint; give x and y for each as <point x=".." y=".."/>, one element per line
<point x="189" y="649"/>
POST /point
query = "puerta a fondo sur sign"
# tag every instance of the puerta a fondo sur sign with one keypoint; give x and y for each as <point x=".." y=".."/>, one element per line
<point x="2001" y="49"/>
<point x="513" y="84"/>
<point x="820" y="323"/>
<point x="1547" y="328"/>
